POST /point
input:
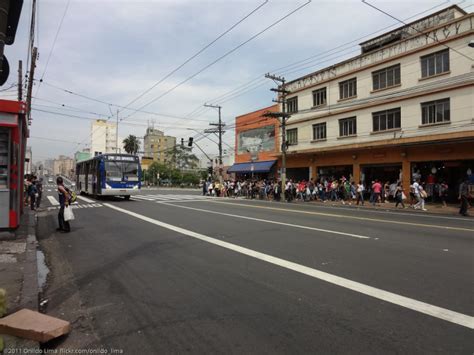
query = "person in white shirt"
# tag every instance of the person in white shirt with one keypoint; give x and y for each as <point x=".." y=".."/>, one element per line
<point x="417" y="189"/>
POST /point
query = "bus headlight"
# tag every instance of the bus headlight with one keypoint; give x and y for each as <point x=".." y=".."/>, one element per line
<point x="107" y="186"/>
<point x="135" y="187"/>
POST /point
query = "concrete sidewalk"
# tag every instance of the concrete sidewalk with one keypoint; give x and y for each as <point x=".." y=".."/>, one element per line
<point x="19" y="275"/>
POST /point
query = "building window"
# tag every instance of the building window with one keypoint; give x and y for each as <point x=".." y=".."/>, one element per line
<point x="319" y="97"/>
<point x="386" y="120"/>
<point x="435" y="63"/>
<point x="435" y="111"/>
<point x="319" y="131"/>
<point x="386" y="77"/>
<point x="292" y="136"/>
<point x="348" y="88"/>
<point x="292" y="105"/>
<point x="347" y="127"/>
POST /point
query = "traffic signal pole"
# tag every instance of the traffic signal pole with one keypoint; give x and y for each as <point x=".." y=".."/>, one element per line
<point x="220" y="132"/>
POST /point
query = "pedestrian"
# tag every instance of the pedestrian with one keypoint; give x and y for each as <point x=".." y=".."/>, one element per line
<point x="420" y="195"/>
<point x="377" y="190"/>
<point x="360" y="193"/>
<point x="39" y="187"/>
<point x="463" y="197"/>
<point x="32" y="193"/>
<point x="64" y="197"/>
<point x="399" y="195"/>
<point x="443" y="192"/>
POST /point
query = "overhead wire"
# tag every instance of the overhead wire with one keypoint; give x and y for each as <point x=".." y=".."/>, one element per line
<point x="220" y="58"/>
<point x="198" y="53"/>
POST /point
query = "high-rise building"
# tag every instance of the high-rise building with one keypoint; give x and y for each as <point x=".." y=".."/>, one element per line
<point x="156" y="145"/>
<point x="63" y="166"/>
<point x="103" y="137"/>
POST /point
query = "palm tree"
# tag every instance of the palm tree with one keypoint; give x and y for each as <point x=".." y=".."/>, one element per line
<point x="131" y="144"/>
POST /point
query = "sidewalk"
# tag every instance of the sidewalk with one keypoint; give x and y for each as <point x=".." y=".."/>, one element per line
<point x="19" y="276"/>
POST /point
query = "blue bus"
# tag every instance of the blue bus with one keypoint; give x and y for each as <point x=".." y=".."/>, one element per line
<point x="109" y="175"/>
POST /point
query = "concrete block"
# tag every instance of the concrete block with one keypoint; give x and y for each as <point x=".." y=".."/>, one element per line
<point x="3" y="302"/>
<point x="33" y="325"/>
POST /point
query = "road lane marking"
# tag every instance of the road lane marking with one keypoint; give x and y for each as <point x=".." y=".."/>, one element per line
<point x="85" y="199"/>
<point x="390" y="297"/>
<point x="53" y="201"/>
<point x="378" y="220"/>
<point x="269" y="221"/>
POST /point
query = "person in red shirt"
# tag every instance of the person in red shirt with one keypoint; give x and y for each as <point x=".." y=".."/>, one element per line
<point x="377" y="189"/>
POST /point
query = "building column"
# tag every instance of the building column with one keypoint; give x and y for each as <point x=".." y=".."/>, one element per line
<point x="356" y="172"/>
<point x="406" y="175"/>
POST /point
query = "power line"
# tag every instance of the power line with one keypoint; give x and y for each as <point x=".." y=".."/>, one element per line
<point x="53" y="45"/>
<point x="197" y="53"/>
<point x="220" y="58"/>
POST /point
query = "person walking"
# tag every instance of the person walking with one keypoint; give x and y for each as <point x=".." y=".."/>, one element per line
<point x="463" y="197"/>
<point x="399" y="195"/>
<point x="443" y="192"/>
<point x="419" y="195"/>
<point x="32" y="193"/>
<point x="360" y="193"/>
<point x="64" y="197"/>
<point x="377" y="189"/>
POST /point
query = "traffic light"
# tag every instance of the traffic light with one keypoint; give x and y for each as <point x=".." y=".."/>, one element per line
<point x="190" y="141"/>
<point x="10" y="11"/>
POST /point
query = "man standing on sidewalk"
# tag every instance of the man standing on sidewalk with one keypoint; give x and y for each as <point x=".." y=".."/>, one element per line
<point x="463" y="196"/>
<point x="377" y="189"/>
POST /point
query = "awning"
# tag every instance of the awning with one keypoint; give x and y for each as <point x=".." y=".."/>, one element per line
<point x="255" y="167"/>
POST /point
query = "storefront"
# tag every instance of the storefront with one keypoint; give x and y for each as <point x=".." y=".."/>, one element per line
<point x="13" y="133"/>
<point x="335" y="172"/>
<point x="259" y="170"/>
<point x="390" y="173"/>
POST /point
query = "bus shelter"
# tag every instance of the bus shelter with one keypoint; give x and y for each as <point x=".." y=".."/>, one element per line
<point x="13" y="135"/>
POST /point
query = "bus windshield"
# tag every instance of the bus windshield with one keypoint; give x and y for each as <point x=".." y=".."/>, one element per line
<point x="121" y="170"/>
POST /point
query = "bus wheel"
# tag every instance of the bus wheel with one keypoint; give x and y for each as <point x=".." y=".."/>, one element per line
<point x="127" y="197"/>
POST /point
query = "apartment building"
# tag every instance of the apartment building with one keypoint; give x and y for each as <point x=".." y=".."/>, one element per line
<point x="156" y="144"/>
<point x="104" y="137"/>
<point x="403" y="108"/>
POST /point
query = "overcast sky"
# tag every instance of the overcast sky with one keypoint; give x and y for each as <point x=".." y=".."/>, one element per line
<point x="113" y="50"/>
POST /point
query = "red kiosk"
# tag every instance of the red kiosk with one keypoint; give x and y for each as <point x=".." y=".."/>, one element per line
<point x="13" y="135"/>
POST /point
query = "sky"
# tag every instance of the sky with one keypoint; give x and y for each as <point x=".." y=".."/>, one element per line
<point x="111" y="51"/>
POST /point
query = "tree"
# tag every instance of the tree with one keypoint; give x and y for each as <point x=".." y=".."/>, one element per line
<point x="131" y="144"/>
<point x="182" y="158"/>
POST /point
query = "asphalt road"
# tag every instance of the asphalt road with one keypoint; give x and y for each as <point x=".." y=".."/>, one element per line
<point x="172" y="272"/>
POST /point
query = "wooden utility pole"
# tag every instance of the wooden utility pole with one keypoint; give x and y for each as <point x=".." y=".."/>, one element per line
<point x="220" y="132"/>
<point x="31" y="75"/>
<point x="282" y="117"/>
<point x="20" y="82"/>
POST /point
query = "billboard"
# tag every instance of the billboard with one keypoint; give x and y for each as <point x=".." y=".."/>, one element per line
<point x="260" y="139"/>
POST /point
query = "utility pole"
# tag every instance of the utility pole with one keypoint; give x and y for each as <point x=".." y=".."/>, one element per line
<point x="20" y="77"/>
<point x="116" y="133"/>
<point x="31" y="75"/>
<point x="282" y="117"/>
<point x="220" y="132"/>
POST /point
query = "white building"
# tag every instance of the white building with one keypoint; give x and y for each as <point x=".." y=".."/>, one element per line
<point x="404" y="105"/>
<point x="103" y="137"/>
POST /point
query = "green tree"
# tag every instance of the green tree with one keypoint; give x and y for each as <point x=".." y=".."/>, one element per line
<point x="182" y="158"/>
<point x="131" y="144"/>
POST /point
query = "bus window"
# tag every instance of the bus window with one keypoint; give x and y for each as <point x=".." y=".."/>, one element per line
<point x="130" y="171"/>
<point x="113" y="170"/>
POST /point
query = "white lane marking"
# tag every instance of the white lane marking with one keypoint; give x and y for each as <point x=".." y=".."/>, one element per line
<point x="178" y="201"/>
<point x="49" y="190"/>
<point x="271" y="222"/>
<point x="53" y="201"/>
<point x="85" y="199"/>
<point x="410" y="303"/>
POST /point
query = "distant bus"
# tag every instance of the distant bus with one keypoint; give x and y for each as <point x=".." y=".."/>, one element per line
<point x="109" y="175"/>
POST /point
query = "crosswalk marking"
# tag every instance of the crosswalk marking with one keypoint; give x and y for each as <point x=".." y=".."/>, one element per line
<point x="53" y="201"/>
<point x="170" y="197"/>
<point x="85" y="199"/>
<point x="91" y="205"/>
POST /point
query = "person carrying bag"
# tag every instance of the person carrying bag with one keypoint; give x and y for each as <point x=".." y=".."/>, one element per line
<point x="64" y="197"/>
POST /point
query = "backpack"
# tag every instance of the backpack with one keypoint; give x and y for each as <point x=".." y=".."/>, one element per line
<point x="72" y="195"/>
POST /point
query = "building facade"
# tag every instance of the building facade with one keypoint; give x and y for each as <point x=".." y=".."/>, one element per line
<point x="156" y="144"/>
<point x="256" y="144"/>
<point x="103" y="137"/>
<point x="64" y="166"/>
<point x="401" y="109"/>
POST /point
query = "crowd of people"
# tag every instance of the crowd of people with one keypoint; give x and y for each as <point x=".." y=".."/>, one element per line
<point x="33" y="191"/>
<point x="340" y="190"/>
